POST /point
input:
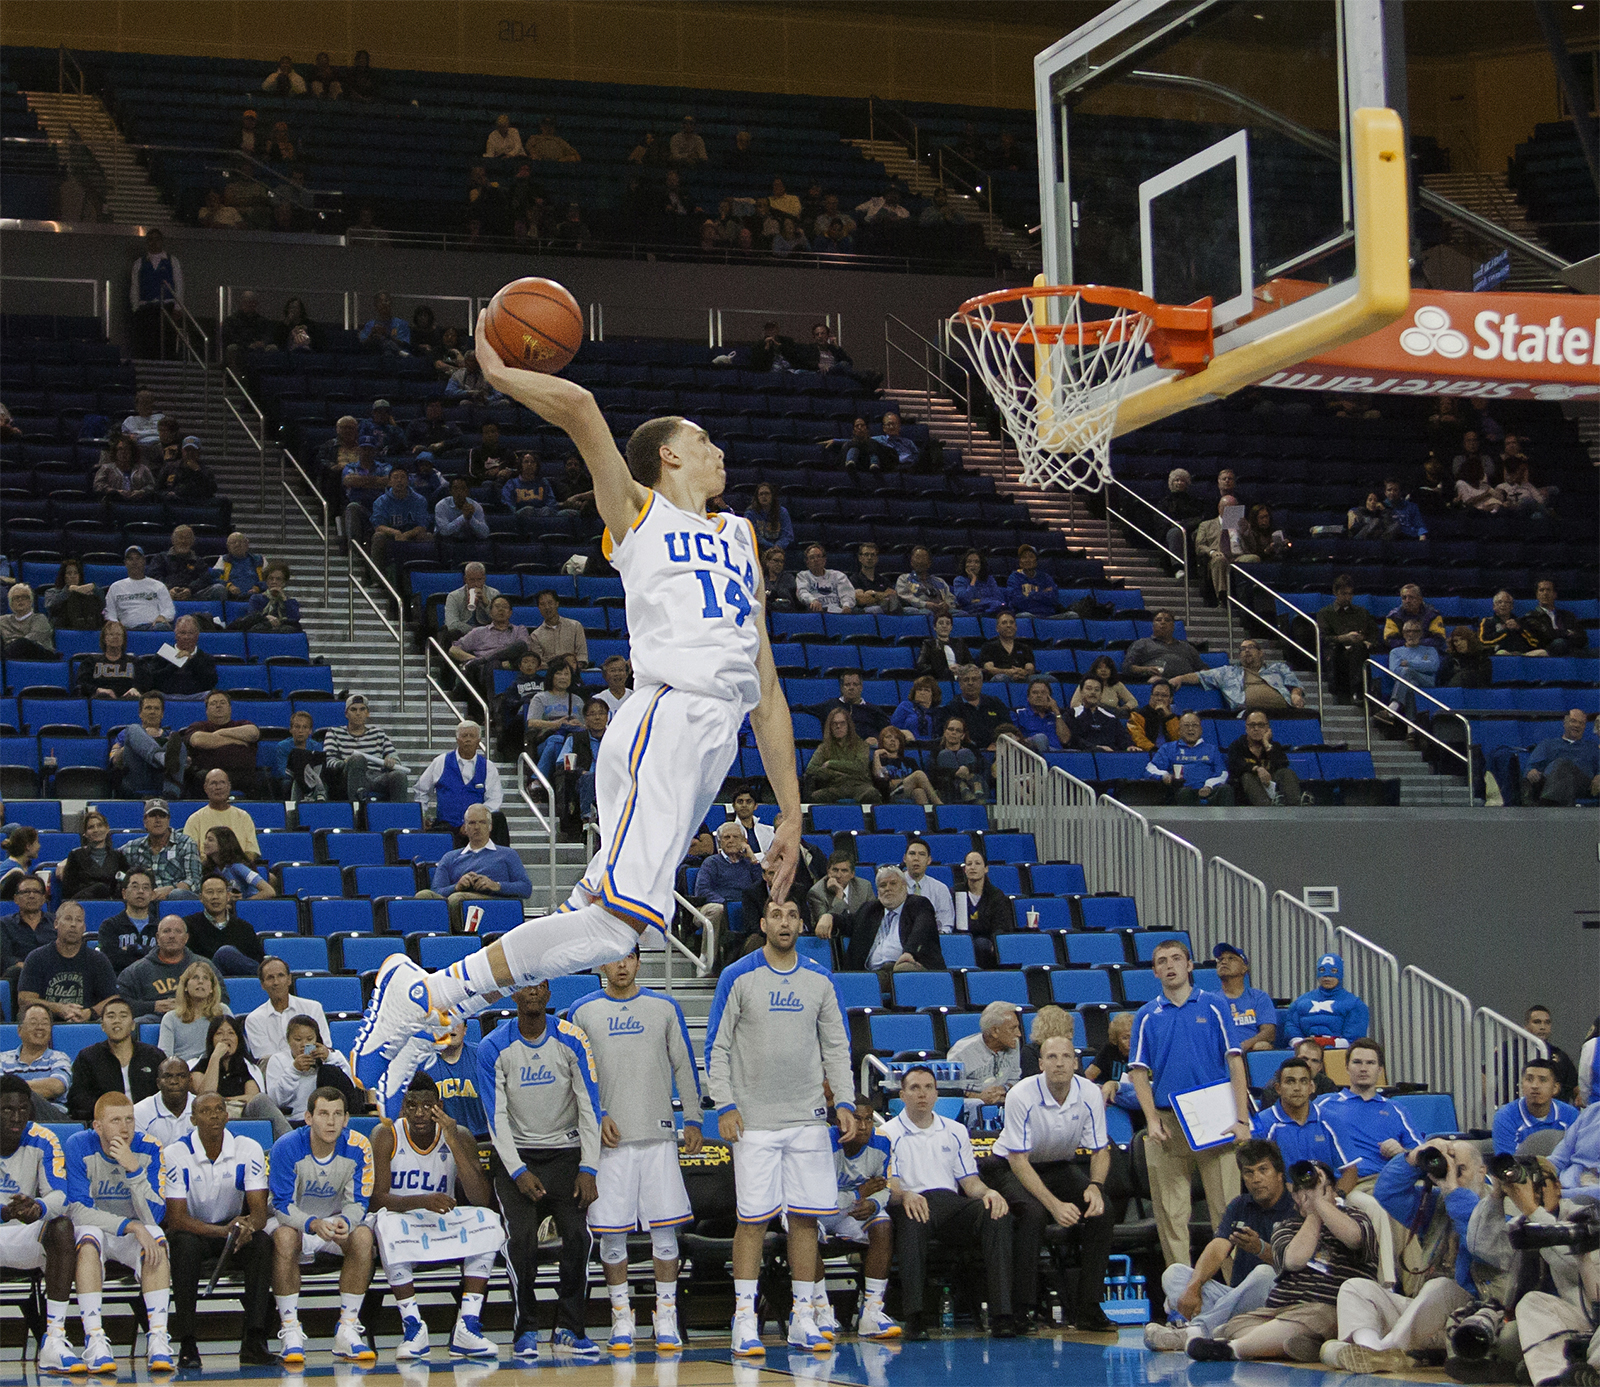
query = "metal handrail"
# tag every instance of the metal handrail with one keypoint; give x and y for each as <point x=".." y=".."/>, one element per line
<point x="980" y="184"/>
<point x="929" y="374"/>
<point x="397" y="631"/>
<point x="181" y="327"/>
<point x="1368" y="698"/>
<point x="834" y="321"/>
<point x="544" y="822"/>
<point x="1180" y="559"/>
<point x="470" y="300"/>
<point x="1372" y="973"/>
<point x="1438" y="1026"/>
<point x="879" y="109"/>
<point x="438" y="688"/>
<point x="1497" y="1039"/>
<point x="1314" y="656"/>
<point x="258" y="439"/>
<point x="101" y="306"/>
<point x="65" y="61"/>
<point x="286" y="494"/>
<point x="708" y="935"/>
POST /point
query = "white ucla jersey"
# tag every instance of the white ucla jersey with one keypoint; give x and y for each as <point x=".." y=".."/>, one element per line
<point x="413" y="1171"/>
<point x="693" y="620"/>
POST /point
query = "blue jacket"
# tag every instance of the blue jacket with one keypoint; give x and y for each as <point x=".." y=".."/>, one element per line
<point x="519" y="495"/>
<point x="498" y="864"/>
<point x="1514" y="1124"/>
<point x="1193" y="766"/>
<point x="1412" y="525"/>
<point x="982" y="598"/>
<point x="453" y="796"/>
<point x="1412" y="1202"/>
<point x="1339" y="1013"/>
<point x="1037" y="595"/>
<point x="1586" y="752"/>
<point x="1579" y="1151"/>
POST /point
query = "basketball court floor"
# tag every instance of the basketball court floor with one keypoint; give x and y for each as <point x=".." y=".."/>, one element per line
<point x="1045" y="1360"/>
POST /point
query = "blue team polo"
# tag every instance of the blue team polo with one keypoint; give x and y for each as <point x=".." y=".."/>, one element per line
<point x="1311" y="1140"/>
<point x="1184" y="1045"/>
<point x="1247" y="1013"/>
<point x="1514" y="1124"/>
<point x="1361" y="1125"/>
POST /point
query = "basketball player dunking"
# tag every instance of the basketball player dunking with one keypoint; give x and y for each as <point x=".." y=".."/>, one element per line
<point x="701" y="659"/>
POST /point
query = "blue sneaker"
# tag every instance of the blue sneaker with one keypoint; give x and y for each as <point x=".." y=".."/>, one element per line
<point x="570" y="1345"/>
<point x="400" y="1007"/>
<point x="527" y="1346"/>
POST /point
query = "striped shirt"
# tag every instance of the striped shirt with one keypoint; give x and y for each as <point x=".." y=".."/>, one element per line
<point x="1330" y="1266"/>
<point x="48" y="1064"/>
<point x="341" y="744"/>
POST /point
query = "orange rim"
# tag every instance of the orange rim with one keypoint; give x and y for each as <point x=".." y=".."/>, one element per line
<point x="1179" y="337"/>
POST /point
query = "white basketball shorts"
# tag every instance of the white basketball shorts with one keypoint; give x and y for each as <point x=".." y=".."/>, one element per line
<point x="789" y="1171"/>
<point x="22" y="1245"/>
<point x="423" y="1236"/>
<point x="117" y="1247"/>
<point x="640" y="1186"/>
<point x="662" y="762"/>
<point x="847" y="1227"/>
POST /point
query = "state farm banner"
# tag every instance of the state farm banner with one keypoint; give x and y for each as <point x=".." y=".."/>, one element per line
<point x="1492" y="346"/>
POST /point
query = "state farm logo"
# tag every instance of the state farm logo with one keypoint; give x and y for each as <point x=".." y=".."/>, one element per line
<point x="1432" y="335"/>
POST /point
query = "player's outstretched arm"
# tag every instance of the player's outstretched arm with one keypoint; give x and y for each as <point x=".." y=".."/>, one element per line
<point x="568" y="406"/>
<point x="774" y="731"/>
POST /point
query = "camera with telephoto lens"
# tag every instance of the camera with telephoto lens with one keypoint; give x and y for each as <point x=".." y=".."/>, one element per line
<point x="1303" y="1175"/>
<point x="1581" y="1233"/>
<point x="1474" y="1330"/>
<point x="1435" y="1165"/>
<point x="1514" y="1170"/>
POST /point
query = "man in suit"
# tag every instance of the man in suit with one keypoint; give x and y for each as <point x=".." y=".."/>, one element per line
<point x="1208" y="545"/>
<point x="896" y="933"/>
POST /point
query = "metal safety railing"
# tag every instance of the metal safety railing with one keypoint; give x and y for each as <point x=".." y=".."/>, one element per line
<point x="257" y="435"/>
<point x="703" y="961"/>
<point x="930" y="376"/>
<point x="833" y="321"/>
<point x="1115" y="493"/>
<point x="99" y="294"/>
<point x="185" y="327"/>
<point x="895" y="125"/>
<point x="1298" y="935"/>
<point x="1436" y="1030"/>
<point x="1499" y="1050"/>
<point x="1034" y="797"/>
<point x="527" y="772"/>
<point x="286" y="493"/>
<point x="1236" y="911"/>
<point x="469" y="302"/>
<point x="1314" y="655"/>
<point x="970" y="179"/>
<point x="69" y="73"/>
<point x="1368" y="699"/>
<point x="1373" y="974"/>
<point x="396" y="628"/>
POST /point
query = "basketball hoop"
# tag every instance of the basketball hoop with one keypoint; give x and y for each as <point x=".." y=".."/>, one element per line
<point x="1058" y="385"/>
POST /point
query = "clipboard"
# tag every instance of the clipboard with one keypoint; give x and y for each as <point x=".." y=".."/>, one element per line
<point x="1205" y="1114"/>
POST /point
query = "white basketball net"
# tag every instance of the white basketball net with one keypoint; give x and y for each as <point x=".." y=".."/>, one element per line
<point x="1059" y="399"/>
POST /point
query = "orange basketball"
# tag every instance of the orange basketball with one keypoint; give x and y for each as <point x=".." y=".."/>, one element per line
<point x="534" y="324"/>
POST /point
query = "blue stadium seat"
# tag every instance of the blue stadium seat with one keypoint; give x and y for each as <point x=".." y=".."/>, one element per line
<point x="565" y="991"/>
<point x="294" y="679"/>
<point x="1055" y="912"/>
<point x="1146" y="940"/>
<point x="1057" y="879"/>
<point x="366" y="953"/>
<point x="381" y="817"/>
<point x="1081" y="987"/>
<point x="286" y="847"/>
<point x="94" y="912"/>
<point x="302" y="955"/>
<point x="42" y="814"/>
<point x="1139" y="987"/>
<point x="343" y="1034"/>
<point x="1006" y="876"/>
<point x="382" y="881"/>
<point x="958" y="1025"/>
<point x="957" y="950"/>
<point x="1119" y="1126"/>
<point x="897" y="818"/>
<point x="880" y="847"/>
<point x="819" y="951"/>
<point x="332" y="813"/>
<point x="72" y="1037"/>
<point x="1432" y="1114"/>
<point x="838" y="818"/>
<point x="1026" y="950"/>
<point x="498" y="916"/>
<point x="986" y="987"/>
<point x="271" y="917"/>
<point x="122" y="815"/>
<point x="888" y="1032"/>
<point x="422" y="847"/>
<point x="1108" y="912"/>
<point x="418" y="917"/>
<point x="1089" y="950"/>
<point x="312" y="881"/>
<point x="1010" y="847"/>
<point x="949" y="847"/>
<point x="335" y="994"/>
<point x="961" y="818"/>
<point x="1262" y="1065"/>
<point x="436" y="951"/>
<point x="856" y="990"/>
<point x="351" y="848"/>
<point x="913" y="991"/>
<point x="341" y="917"/>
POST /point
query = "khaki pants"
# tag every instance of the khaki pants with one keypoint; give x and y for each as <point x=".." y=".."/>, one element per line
<point x="1361" y="1198"/>
<point x="457" y="899"/>
<point x="1377" y="1318"/>
<point x="1543" y="1324"/>
<point x="1170" y="1164"/>
<point x="1295" y="1331"/>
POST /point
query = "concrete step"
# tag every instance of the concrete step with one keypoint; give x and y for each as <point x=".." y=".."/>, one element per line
<point x="71" y="118"/>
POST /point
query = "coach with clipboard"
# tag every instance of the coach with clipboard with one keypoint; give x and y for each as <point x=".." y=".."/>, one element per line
<point x="1191" y="1083"/>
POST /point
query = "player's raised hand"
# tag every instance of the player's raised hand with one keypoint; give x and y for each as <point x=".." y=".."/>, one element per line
<point x="551" y="396"/>
<point x="783" y="856"/>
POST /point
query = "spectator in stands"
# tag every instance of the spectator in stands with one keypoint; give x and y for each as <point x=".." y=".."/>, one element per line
<point x="1412" y="605"/>
<point x="140" y="603"/>
<point x="46" y="1070"/>
<point x="1391" y="516"/>
<point x="72" y="603"/>
<point x="299" y="763"/>
<point x="1161" y="655"/>
<point x="572" y="229"/>
<point x="580" y="751"/>
<point x="894" y="776"/>
<point x="942" y="653"/>
<point x="122" y="476"/>
<point x="1041" y="723"/>
<point x="1250" y="683"/>
<point x="1259" y="768"/>
<point x="687" y="147"/>
<point x="982" y="909"/>
<point x="1291" y="1122"/>
<point x="71" y="980"/>
<point x="188" y="576"/>
<point x="1006" y="658"/>
<point x="1566" y="768"/>
<point x="958" y="770"/>
<point x="893" y="448"/>
<point x="240" y="570"/>
<point x="1185" y="511"/>
<point x="1521" y="494"/>
<point x="531" y="498"/>
<point x="1215" y="543"/>
<point x="247" y="132"/>
<point x="181" y="669"/>
<point x="266" y="1029"/>
<point x="1110" y="1064"/>
<point x="1536" y="1110"/>
<point x="219" y="813"/>
<point x="385" y="331"/>
<point x="94" y="870"/>
<point x="22" y="851"/>
<point x="1434" y="493"/>
<point x="857" y="449"/>
<point x="157" y="280"/>
<point x="886" y="207"/>
<point x="781" y="592"/>
<point x="290" y="1075"/>
<point x="362" y="483"/>
<point x="222" y="742"/>
<point x="874" y="591"/>
<point x="505" y="140"/>
<point x="1467" y="664"/>
<point x="221" y="851"/>
<point x="650" y="151"/>
<point x="914" y="715"/>
<point x="190" y="481"/>
<point x="1329" y="1012"/>
<point x="920" y="589"/>
<point x="867" y="719"/>
<point x="1195" y="768"/>
<point x="1252" y="1014"/>
<point x="834" y="240"/>
<point x="296" y="332"/>
<point x="118" y="1064"/>
<point x="362" y="762"/>
<point x="1473" y="489"/>
<point x="458" y="778"/>
<point x="548" y="145"/>
<point x="1197" y="1304"/>
<point x="467" y="382"/>
<point x="976" y="593"/>
<point x="822" y="225"/>
<point x="26" y="633"/>
<point x="557" y="635"/>
<point x="840" y="771"/>
<point x="172" y="860"/>
<point x="151" y="982"/>
<point x="1555" y="630"/>
<point x="458" y="516"/>
<point x="820" y="588"/>
<point x="840" y="891"/>
<point x="1031" y="589"/>
<point x="341" y="451"/>
<point x="1155" y="723"/>
<point x="1502" y="632"/>
<point x="480" y="871"/>
<point x="399" y="516"/>
<point x="1350" y="636"/>
<point x="1114" y="694"/>
<point x="324" y="80"/>
<point x="991" y="1059"/>
<point x="246" y="329"/>
<point x="272" y="609"/>
<point x="981" y="714"/>
<point x="724" y="877"/>
<point x="617" y="673"/>
<point x="217" y="933"/>
<point x="138" y="755"/>
<point x="485" y="649"/>
<point x="1418" y="665"/>
<point x="432" y="434"/>
<point x="284" y="80"/>
<point x="782" y="201"/>
<point x="892" y="933"/>
<point x="1094" y="727"/>
<point x="554" y="712"/>
<point x="228" y="1068"/>
<point x="468" y="605"/>
<point x="1172" y="1054"/>
<point x="917" y="859"/>
<point x="940" y="211"/>
<point x="31" y="926"/>
<point x="1310" y="1052"/>
<point x="789" y="239"/>
<point x="770" y="520"/>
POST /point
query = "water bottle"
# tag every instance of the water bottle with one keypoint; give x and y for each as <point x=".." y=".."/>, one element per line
<point x="1055" y="1307"/>
<point x="947" y="1309"/>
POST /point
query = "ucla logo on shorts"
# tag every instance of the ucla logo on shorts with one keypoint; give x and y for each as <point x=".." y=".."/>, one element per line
<point x="535" y="1075"/>
<point x="624" y="1025"/>
<point x="784" y="1001"/>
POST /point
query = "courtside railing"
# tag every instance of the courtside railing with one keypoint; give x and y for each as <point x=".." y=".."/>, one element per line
<point x="395" y="628"/>
<point x="934" y="380"/>
<point x="528" y="773"/>
<point x="1500" y="1048"/>
<point x="257" y="435"/>
<point x="1372" y="973"/>
<point x="1436" y="1034"/>
<point x="1236" y="912"/>
<point x="1297" y="936"/>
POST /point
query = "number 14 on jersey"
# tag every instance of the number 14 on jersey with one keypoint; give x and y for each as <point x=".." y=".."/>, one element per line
<point x="733" y="594"/>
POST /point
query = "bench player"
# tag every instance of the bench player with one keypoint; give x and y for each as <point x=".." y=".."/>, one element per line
<point x="641" y="1049"/>
<point x="419" y="1165"/>
<point x="114" y="1179"/>
<point x="34" y="1232"/>
<point x="701" y="660"/>
<point x="861" y="1172"/>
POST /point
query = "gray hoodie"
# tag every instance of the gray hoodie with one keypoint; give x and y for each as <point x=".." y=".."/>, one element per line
<point x="148" y="981"/>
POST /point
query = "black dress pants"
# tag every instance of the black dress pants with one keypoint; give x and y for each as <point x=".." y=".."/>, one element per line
<point x="251" y="1262"/>
<point x="952" y="1218"/>
<point x="1068" y="1182"/>
<point x="557" y="1171"/>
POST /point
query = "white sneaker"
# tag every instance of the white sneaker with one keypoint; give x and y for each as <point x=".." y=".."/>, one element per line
<point x="622" y="1332"/>
<point x="401" y="1006"/>
<point x="1166" y="1338"/>
<point x="159" y="1352"/>
<point x="414" y="1343"/>
<point x="827" y="1322"/>
<point x="467" y="1339"/>
<point x="747" y="1337"/>
<point x="292" y="1343"/>
<point x="874" y="1322"/>
<point x="351" y="1343"/>
<point x="390" y="1091"/>
<point x="97" y="1354"/>
<point x="665" y="1324"/>
<point x="803" y="1333"/>
<point x="56" y="1356"/>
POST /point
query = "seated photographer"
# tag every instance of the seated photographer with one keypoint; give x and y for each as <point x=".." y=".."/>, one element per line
<point x="1198" y="1305"/>
<point x="1325" y="1247"/>
<point x="1537" y="1110"/>
<point x="1432" y="1192"/>
<point x="1551" y="1328"/>
<point x="1577" y="1159"/>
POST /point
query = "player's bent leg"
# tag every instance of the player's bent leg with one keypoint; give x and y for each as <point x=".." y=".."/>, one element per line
<point x="468" y="1340"/>
<point x="97" y="1354"/>
<point x="873" y="1322"/>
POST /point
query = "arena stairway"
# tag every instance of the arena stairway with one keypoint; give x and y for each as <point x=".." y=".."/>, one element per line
<point x="1491" y="196"/>
<point x="131" y="198"/>
<point x="1137" y="568"/>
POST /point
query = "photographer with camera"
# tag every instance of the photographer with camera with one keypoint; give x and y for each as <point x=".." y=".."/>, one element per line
<point x="1552" y="1329"/>
<point x="1198" y="1305"/>
<point x="1537" y="1110"/>
<point x="1577" y="1158"/>
<point x="1432" y="1192"/>
<point x="1323" y="1248"/>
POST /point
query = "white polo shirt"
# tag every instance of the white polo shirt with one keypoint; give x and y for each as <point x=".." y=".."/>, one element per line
<point x="267" y="1031"/>
<point x="936" y="1157"/>
<point x="154" y="1119"/>
<point x="215" y="1189"/>
<point x="1045" y="1130"/>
